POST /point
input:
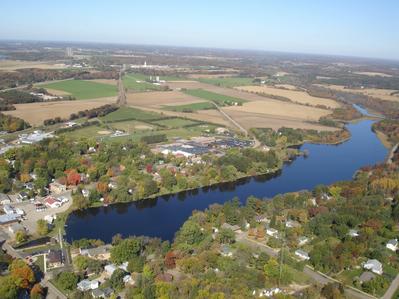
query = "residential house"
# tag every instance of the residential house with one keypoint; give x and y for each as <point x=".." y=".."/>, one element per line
<point x="353" y="233"/>
<point x="303" y="255"/>
<point x="374" y="266"/>
<point x="57" y="188"/>
<point x="393" y="245"/>
<point x="54" y="258"/>
<point x="8" y="209"/>
<point x="22" y="196"/>
<point x="302" y="240"/>
<point x="86" y="285"/>
<point x="7" y="219"/>
<point x="292" y="224"/>
<point x="366" y="276"/>
<point x="85" y="193"/>
<point x="52" y="202"/>
<point x="272" y="232"/>
<point x="102" y="293"/>
<point x="98" y="253"/>
<point x="110" y="269"/>
<point x="225" y="250"/>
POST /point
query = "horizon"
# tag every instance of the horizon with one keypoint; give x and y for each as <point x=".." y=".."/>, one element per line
<point x="361" y="29"/>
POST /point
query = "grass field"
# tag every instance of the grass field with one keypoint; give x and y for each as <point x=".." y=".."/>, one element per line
<point x="82" y="89"/>
<point x="130" y="82"/>
<point x="228" y="81"/>
<point x="175" y="122"/>
<point x="190" y="107"/>
<point x="132" y="126"/>
<point x="128" y="113"/>
<point x="219" y="99"/>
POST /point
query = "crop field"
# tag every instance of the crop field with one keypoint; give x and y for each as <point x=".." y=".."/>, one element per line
<point x="129" y="113"/>
<point x="190" y="107"/>
<point x="11" y="65"/>
<point x="219" y="99"/>
<point x="83" y="89"/>
<point x="136" y="82"/>
<point x="383" y="94"/>
<point x="158" y="99"/>
<point x="228" y="81"/>
<point x="175" y="122"/>
<point x="36" y="113"/>
<point x="295" y="96"/>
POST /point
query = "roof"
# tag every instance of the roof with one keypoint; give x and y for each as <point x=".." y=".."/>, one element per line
<point x="54" y="256"/>
<point x="7" y="218"/>
<point x="97" y="250"/>
<point x="301" y="252"/>
<point x="50" y="200"/>
<point x="393" y="242"/>
<point x="366" y="276"/>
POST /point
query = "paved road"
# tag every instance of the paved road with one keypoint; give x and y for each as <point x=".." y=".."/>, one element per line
<point x="236" y="124"/>
<point x="318" y="277"/>
<point x="392" y="289"/>
<point x="52" y="291"/>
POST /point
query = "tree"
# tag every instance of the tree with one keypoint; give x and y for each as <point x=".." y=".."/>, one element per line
<point x="42" y="227"/>
<point x="190" y="233"/>
<point x="116" y="279"/>
<point x="170" y="260"/>
<point x="136" y="264"/>
<point x="226" y="236"/>
<point x="37" y="292"/>
<point x="125" y="250"/>
<point x="8" y="288"/>
<point x="21" y="273"/>
<point x="333" y="291"/>
<point x="67" y="280"/>
<point x="73" y="177"/>
<point x="21" y="236"/>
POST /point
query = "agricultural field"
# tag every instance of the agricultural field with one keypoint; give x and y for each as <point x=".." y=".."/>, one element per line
<point x="83" y="89"/>
<point x="36" y="113"/>
<point x="228" y="81"/>
<point x="295" y="96"/>
<point x="219" y="99"/>
<point x="129" y="113"/>
<point x="12" y="65"/>
<point x="383" y="94"/>
<point x="190" y="107"/>
<point x="175" y="122"/>
<point x="137" y="82"/>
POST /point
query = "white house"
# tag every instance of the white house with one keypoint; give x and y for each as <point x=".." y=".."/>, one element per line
<point x="303" y="255"/>
<point x="374" y="266"/>
<point x="353" y="233"/>
<point x="86" y="285"/>
<point x="51" y="202"/>
<point x="303" y="240"/>
<point x="272" y="232"/>
<point x="393" y="245"/>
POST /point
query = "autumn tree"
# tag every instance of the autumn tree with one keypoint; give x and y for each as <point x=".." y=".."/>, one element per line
<point x="22" y="274"/>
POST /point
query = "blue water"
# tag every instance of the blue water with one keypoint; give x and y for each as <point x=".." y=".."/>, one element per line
<point x="162" y="217"/>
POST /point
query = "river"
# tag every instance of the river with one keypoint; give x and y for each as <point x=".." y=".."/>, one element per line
<point x="161" y="217"/>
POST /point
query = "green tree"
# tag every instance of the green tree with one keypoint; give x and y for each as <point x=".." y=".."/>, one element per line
<point x="8" y="288"/>
<point x="226" y="236"/>
<point x="42" y="227"/>
<point x="125" y="250"/>
<point x="116" y="279"/>
<point x="21" y="236"/>
<point x="67" y="280"/>
<point x="136" y="264"/>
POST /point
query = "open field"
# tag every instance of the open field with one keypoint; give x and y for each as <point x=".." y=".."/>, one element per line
<point x="295" y="96"/>
<point x="12" y="65"/>
<point x="83" y="89"/>
<point x="286" y="86"/>
<point x="105" y="81"/>
<point x="228" y="81"/>
<point x="373" y="74"/>
<point x="219" y="99"/>
<point x="383" y="94"/>
<point x="36" y="113"/>
<point x="131" y="126"/>
<point x="136" y="82"/>
<point x="190" y="107"/>
<point x="158" y="99"/>
<point x="175" y="122"/>
<point x="129" y="113"/>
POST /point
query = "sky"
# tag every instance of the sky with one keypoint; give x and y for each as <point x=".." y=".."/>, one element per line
<point x="365" y="28"/>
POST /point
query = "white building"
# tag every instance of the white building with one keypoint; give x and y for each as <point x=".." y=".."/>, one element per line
<point x="393" y="245"/>
<point x="303" y="255"/>
<point x="374" y="266"/>
<point x="272" y="232"/>
<point x="86" y="285"/>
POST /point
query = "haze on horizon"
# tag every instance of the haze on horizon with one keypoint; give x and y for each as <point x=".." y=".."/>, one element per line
<point x="352" y="28"/>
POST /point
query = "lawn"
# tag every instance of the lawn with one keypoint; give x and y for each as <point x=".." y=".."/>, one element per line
<point x="40" y="262"/>
<point x="132" y="126"/>
<point x="86" y="132"/>
<point x="228" y="81"/>
<point x="83" y="90"/>
<point x="219" y="99"/>
<point x="128" y="113"/>
<point x="175" y="122"/>
<point x="190" y="107"/>
<point x="130" y="82"/>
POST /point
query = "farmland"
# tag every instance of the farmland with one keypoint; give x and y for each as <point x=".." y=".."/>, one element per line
<point x="190" y="107"/>
<point x="219" y="99"/>
<point x="83" y="89"/>
<point x="128" y="113"/>
<point x="228" y="81"/>
<point x="175" y="122"/>
<point x="295" y="96"/>
<point x="137" y="82"/>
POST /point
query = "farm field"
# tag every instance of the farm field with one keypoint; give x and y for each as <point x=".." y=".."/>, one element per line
<point x="36" y="113"/>
<point x="383" y="94"/>
<point x="158" y="99"/>
<point x="295" y="96"/>
<point x="190" y="107"/>
<point x="175" y="122"/>
<point x="228" y="81"/>
<point x="129" y="113"/>
<point x="136" y="82"/>
<point x="219" y="99"/>
<point x="12" y="65"/>
<point x="83" y="89"/>
<point x="105" y="81"/>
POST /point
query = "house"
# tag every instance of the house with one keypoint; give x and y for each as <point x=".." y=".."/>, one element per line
<point x="63" y="199"/>
<point x="366" y="276"/>
<point x="29" y="186"/>
<point x="272" y="232"/>
<point x="374" y="266"/>
<point x="8" y="209"/>
<point x="7" y="219"/>
<point x="54" y="258"/>
<point x="301" y="254"/>
<point x="98" y="253"/>
<point x="85" y="193"/>
<point x="86" y="285"/>
<point x="22" y="196"/>
<point x="102" y="293"/>
<point x="393" y="245"/>
<point x="234" y="228"/>
<point x="4" y="199"/>
<point x="50" y="218"/>
<point x="267" y="292"/>
<point x="303" y="240"/>
<point x="52" y="202"/>
<point x="127" y="279"/>
<point x="292" y="224"/>
<point x="57" y="188"/>
<point x="353" y="233"/>
<point x="110" y="269"/>
<point x="225" y="250"/>
<point x="16" y="227"/>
